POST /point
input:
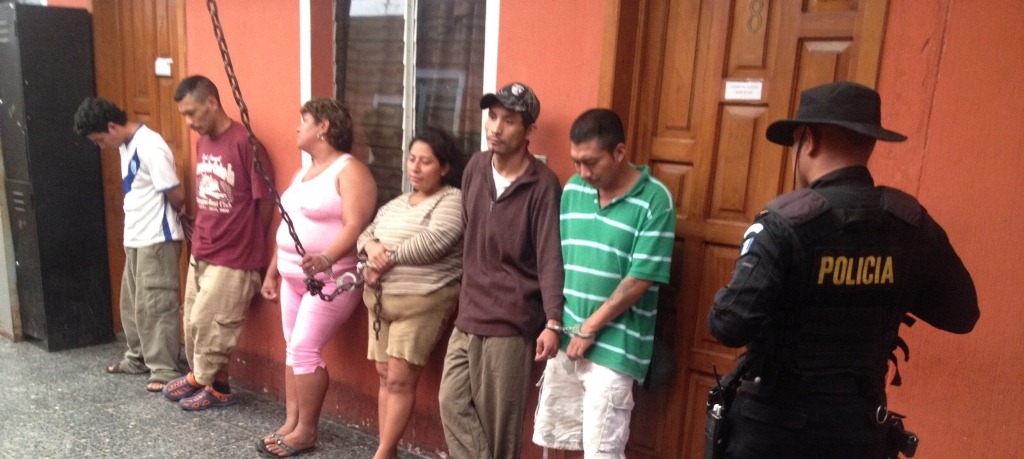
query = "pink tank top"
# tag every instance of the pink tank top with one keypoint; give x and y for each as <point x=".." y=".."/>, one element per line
<point x="315" y="209"/>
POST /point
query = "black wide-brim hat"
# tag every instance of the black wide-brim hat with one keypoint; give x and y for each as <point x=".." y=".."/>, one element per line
<point x="850" y="105"/>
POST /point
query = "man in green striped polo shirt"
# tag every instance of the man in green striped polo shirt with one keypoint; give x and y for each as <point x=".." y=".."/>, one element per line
<point x="617" y="228"/>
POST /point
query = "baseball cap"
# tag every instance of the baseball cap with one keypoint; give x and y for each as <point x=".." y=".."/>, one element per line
<point x="517" y="97"/>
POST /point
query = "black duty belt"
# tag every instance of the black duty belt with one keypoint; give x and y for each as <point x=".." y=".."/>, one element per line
<point x="814" y="385"/>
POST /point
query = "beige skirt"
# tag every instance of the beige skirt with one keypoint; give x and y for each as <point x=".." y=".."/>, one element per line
<point x="410" y="325"/>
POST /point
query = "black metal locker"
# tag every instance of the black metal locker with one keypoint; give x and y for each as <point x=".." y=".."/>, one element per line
<point x="53" y="177"/>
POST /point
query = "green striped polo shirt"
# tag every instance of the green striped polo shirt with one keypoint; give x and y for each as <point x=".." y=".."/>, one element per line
<point x="632" y="236"/>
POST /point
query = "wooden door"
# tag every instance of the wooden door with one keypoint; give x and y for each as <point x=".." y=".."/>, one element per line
<point x="129" y="35"/>
<point x="704" y="81"/>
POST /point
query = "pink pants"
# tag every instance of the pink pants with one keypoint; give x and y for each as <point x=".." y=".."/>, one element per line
<point x="309" y="322"/>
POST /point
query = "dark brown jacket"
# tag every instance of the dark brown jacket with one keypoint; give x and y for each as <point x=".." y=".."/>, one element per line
<point x="512" y="266"/>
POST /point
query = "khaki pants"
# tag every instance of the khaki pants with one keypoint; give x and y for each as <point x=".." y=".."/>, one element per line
<point x="149" y="310"/>
<point x="216" y="299"/>
<point x="483" y="395"/>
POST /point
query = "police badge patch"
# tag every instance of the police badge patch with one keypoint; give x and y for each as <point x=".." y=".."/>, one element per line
<point x="748" y="237"/>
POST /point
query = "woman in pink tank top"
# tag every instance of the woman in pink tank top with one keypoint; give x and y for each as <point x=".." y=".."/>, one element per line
<point x="330" y="201"/>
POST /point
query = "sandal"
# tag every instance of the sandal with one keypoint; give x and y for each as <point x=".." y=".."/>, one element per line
<point x="208" y="397"/>
<point x="276" y="437"/>
<point x="288" y="450"/>
<point x="180" y="388"/>
<point x="156" y="386"/>
<point x="273" y="438"/>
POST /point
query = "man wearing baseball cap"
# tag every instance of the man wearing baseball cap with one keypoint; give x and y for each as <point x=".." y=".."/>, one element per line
<point x="511" y="284"/>
<point x="826" y="275"/>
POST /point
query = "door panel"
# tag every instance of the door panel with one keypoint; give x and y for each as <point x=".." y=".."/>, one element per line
<point x="711" y="152"/>
<point x="129" y="35"/>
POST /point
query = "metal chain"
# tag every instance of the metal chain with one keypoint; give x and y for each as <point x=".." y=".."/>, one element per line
<point x="377" y="292"/>
<point x="314" y="285"/>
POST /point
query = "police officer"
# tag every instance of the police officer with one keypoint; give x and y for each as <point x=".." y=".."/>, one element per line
<point x="825" y="276"/>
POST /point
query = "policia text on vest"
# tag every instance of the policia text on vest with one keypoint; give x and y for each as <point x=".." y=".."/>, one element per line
<point x="840" y="270"/>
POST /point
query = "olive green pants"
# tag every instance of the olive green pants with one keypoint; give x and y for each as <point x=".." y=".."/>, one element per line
<point x="483" y="395"/>
<point x="149" y="310"/>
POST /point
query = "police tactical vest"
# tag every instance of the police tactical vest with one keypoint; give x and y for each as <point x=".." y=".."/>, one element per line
<point x="850" y="285"/>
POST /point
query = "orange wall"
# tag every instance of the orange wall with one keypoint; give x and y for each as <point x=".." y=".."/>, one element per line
<point x="555" y="48"/>
<point x="87" y="4"/>
<point x="950" y="81"/>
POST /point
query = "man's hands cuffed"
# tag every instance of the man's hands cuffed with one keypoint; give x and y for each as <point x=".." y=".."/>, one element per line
<point x="547" y="345"/>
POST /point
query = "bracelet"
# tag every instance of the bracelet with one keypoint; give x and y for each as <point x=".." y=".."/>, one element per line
<point x="326" y="258"/>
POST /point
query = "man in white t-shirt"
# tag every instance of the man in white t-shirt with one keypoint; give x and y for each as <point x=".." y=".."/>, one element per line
<point x="153" y="199"/>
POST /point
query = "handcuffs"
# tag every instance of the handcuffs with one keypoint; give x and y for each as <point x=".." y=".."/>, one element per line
<point x="571" y="331"/>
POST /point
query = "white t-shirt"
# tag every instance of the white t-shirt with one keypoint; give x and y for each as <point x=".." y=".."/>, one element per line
<point x="147" y="171"/>
<point x="500" y="183"/>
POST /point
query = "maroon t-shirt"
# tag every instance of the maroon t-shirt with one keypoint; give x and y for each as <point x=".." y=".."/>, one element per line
<point x="228" y="229"/>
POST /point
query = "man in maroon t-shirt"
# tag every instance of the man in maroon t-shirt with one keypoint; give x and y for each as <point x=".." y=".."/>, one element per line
<point x="232" y="214"/>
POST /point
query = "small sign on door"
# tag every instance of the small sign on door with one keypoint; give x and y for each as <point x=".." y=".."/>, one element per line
<point x="163" y="66"/>
<point x="743" y="90"/>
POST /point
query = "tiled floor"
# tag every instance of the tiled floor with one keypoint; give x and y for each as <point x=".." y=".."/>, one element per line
<point x="62" y="405"/>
